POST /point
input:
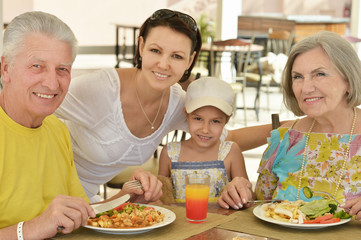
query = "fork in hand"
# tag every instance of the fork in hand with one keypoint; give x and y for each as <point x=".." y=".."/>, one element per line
<point x="133" y="184"/>
<point x="309" y="193"/>
<point x="328" y="196"/>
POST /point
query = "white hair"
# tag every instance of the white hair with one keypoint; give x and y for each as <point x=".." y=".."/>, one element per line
<point x="35" y="22"/>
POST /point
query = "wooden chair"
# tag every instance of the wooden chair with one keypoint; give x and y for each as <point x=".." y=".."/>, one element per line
<point x="275" y="121"/>
<point x="278" y="42"/>
<point x="235" y="55"/>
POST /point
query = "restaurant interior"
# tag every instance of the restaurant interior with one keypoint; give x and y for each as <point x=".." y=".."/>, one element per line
<point x="107" y="31"/>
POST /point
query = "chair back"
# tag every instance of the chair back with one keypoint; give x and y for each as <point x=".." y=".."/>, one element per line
<point x="230" y="54"/>
<point x="280" y="42"/>
<point x="244" y="59"/>
<point x="233" y="56"/>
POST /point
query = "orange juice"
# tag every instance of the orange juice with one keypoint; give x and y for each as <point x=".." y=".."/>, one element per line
<point x="197" y="202"/>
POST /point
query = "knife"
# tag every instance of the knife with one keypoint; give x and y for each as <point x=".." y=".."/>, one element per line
<point x="265" y="201"/>
<point x="103" y="207"/>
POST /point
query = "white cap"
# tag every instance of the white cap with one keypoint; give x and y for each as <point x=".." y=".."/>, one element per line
<point x="209" y="91"/>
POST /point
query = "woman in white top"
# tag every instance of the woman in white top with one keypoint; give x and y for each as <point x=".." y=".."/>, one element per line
<point x="118" y="117"/>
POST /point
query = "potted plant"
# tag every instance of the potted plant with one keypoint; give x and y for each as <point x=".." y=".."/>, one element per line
<point x="206" y="27"/>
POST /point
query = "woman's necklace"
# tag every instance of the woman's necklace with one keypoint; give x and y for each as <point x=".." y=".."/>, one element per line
<point x="141" y="107"/>
<point x="344" y="160"/>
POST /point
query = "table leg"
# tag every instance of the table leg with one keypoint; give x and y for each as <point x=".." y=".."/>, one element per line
<point x="117" y="46"/>
<point x="256" y="103"/>
<point x="134" y="45"/>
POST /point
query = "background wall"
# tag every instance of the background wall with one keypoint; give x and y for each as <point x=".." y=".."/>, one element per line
<point x="12" y="8"/>
<point x="295" y="7"/>
<point x="91" y="20"/>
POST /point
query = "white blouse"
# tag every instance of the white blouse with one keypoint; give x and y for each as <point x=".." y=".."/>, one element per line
<point x="103" y="145"/>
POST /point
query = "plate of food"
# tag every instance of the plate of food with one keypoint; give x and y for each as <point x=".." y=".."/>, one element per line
<point x="302" y="215"/>
<point x="130" y="218"/>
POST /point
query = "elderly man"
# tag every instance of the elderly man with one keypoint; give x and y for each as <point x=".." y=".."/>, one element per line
<point x="38" y="179"/>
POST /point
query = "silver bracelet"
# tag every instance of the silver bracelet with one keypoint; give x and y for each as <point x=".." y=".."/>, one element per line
<point x="19" y="231"/>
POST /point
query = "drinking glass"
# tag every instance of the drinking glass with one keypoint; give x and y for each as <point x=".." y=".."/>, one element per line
<point x="197" y="191"/>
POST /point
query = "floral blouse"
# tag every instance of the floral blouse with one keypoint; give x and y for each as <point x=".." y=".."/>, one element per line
<point x="281" y="165"/>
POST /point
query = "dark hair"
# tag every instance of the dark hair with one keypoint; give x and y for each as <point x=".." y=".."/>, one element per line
<point x="177" y="21"/>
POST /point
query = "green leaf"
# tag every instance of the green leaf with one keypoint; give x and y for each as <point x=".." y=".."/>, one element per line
<point x="342" y="215"/>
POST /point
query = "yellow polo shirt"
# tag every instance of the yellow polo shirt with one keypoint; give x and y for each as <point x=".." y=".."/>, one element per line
<point x="35" y="166"/>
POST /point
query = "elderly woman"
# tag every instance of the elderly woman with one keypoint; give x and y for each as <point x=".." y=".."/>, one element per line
<point x="322" y="150"/>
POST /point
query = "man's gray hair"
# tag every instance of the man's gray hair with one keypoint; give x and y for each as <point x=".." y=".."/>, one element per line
<point x="35" y="22"/>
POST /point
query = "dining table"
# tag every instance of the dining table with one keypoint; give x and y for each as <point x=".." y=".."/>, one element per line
<point x="122" y="50"/>
<point x="207" y="48"/>
<point x="227" y="60"/>
<point x="224" y="224"/>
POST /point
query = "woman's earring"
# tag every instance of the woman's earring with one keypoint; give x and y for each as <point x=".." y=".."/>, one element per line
<point x="140" y="58"/>
<point x="186" y="72"/>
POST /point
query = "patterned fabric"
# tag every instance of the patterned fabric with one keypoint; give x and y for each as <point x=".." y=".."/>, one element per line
<point x="215" y="169"/>
<point x="281" y="165"/>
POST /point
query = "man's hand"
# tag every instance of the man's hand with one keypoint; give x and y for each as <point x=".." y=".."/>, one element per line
<point x="66" y="212"/>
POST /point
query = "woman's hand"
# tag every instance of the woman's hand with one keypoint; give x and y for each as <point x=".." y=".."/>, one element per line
<point x="236" y="194"/>
<point x="152" y="187"/>
<point x="353" y="207"/>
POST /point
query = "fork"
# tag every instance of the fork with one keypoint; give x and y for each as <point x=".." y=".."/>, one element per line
<point x="133" y="184"/>
<point x="329" y="195"/>
<point x="264" y="201"/>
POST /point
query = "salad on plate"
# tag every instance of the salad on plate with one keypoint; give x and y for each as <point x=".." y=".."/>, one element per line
<point x="321" y="211"/>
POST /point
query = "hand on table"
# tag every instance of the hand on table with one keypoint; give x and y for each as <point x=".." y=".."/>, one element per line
<point x="353" y="207"/>
<point x="152" y="187"/>
<point x="236" y="194"/>
<point x="64" y="211"/>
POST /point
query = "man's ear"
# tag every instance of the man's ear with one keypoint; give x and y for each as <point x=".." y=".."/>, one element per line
<point x="4" y="69"/>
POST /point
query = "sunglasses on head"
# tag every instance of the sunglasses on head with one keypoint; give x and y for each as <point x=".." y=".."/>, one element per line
<point x="166" y="13"/>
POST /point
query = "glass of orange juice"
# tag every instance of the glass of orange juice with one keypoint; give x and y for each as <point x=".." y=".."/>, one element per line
<point x="197" y="191"/>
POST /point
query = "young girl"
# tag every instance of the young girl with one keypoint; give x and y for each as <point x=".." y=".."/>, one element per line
<point x="208" y="107"/>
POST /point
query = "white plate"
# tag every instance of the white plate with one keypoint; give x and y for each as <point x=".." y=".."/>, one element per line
<point x="260" y="213"/>
<point x="169" y="217"/>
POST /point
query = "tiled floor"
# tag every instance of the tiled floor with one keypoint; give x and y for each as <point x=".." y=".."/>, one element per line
<point x="86" y="63"/>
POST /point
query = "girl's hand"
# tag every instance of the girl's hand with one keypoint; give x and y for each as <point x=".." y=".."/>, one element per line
<point x="236" y="194"/>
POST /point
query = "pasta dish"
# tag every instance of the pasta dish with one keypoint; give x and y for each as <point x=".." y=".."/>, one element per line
<point x="127" y="215"/>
